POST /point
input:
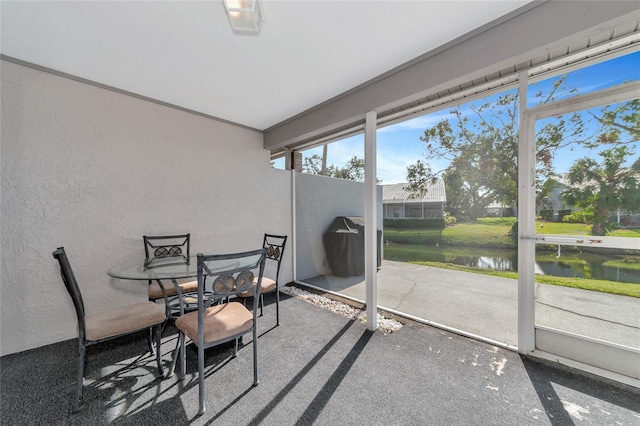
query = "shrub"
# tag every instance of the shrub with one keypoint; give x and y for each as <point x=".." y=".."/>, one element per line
<point x="546" y="214"/>
<point x="582" y="216"/>
<point x="449" y="220"/>
<point x="513" y="232"/>
<point x="563" y="213"/>
<point x="574" y="217"/>
<point x="414" y="223"/>
<point x="612" y="224"/>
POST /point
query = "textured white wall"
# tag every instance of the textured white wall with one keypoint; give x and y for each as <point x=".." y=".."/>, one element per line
<point x="319" y="199"/>
<point x="93" y="171"/>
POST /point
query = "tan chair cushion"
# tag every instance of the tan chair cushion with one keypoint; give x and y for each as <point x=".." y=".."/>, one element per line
<point x="123" y="320"/>
<point x="220" y="322"/>
<point x="155" y="292"/>
<point x="268" y="285"/>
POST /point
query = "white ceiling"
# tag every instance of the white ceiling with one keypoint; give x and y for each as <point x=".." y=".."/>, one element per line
<point x="184" y="52"/>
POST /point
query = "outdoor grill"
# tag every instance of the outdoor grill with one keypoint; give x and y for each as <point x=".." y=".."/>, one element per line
<point x="344" y="244"/>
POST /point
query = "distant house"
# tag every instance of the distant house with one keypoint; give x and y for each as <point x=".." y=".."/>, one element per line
<point x="497" y="209"/>
<point x="397" y="204"/>
<point x="553" y="200"/>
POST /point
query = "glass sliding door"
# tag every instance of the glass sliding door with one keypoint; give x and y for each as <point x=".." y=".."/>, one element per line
<point x="583" y="236"/>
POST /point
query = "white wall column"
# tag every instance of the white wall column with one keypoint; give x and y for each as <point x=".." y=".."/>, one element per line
<point x="526" y="223"/>
<point x="294" y="233"/>
<point x="370" y="220"/>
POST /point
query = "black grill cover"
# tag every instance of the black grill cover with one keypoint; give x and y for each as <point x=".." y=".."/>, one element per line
<point x="344" y="244"/>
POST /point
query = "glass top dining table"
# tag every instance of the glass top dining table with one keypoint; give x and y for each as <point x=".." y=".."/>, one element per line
<point x="172" y="268"/>
<point x="169" y="268"/>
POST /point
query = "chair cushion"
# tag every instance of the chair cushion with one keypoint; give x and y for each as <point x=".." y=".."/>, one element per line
<point x="155" y="292"/>
<point x="220" y="322"/>
<point x="268" y="285"/>
<point x="123" y="320"/>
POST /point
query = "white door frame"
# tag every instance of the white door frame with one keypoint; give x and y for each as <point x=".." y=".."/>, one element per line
<point x="618" y="362"/>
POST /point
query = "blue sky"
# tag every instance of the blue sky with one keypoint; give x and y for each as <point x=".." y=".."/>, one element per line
<point x="399" y="145"/>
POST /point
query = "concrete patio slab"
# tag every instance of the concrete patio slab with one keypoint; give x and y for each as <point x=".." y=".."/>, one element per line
<point x="488" y="306"/>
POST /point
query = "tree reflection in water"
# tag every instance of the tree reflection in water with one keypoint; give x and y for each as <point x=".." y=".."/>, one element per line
<point x="569" y="264"/>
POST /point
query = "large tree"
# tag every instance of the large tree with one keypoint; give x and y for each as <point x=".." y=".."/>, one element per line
<point x="620" y="124"/>
<point x="419" y="177"/>
<point x="312" y="165"/>
<point x="458" y="202"/>
<point x="480" y="143"/>
<point x="352" y="170"/>
<point x="605" y="187"/>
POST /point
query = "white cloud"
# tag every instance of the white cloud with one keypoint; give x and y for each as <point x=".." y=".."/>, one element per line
<point x="392" y="172"/>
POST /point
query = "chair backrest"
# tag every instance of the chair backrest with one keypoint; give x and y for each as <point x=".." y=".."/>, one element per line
<point x="178" y="246"/>
<point x="274" y="244"/>
<point x="71" y="284"/>
<point x="229" y="275"/>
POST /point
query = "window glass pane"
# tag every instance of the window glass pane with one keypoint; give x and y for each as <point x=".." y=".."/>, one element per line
<point x="586" y="80"/>
<point x="589" y="291"/>
<point x="588" y="184"/>
<point x="343" y="159"/>
<point x="588" y="172"/>
<point x="278" y="163"/>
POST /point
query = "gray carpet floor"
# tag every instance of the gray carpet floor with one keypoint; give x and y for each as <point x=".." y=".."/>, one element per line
<point x="318" y="368"/>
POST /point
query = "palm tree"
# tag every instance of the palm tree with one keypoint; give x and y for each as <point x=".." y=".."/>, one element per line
<point x="605" y="187"/>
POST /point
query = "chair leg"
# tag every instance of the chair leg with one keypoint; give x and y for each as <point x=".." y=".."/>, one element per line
<point x="158" y="344"/>
<point x="277" y="306"/>
<point x="183" y="356"/>
<point x="164" y="324"/>
<point x="150" y="341"/>
<point x="255" y="356"/>
<point x="174" y="359"/>
<point x="235" y="348"/>
<point x="201" y="379"/>
<point x="261" y="304"/>
<point x="77" y="400"/>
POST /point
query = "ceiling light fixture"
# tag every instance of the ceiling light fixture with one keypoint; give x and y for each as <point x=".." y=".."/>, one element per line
<point x="245" y="15"/>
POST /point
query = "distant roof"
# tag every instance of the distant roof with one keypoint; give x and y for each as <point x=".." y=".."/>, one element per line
<point x="396" y="192"/>
<point x="562" y="179"/>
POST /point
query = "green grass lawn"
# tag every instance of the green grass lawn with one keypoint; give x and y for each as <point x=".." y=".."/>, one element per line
<point x="580" y="229"/>
<point x="489" y="232"/>
<point x="562" y="228"/>
<point x="604" y="286"/>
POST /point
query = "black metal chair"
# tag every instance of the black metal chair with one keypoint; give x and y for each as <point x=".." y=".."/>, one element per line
<point x="106" y="325"/>
<point x="177" y="246"/>
<point x="274" y="244"/>
<point x="214" y="322"/>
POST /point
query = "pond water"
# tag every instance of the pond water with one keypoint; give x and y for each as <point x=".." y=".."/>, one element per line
<point x="569" y="264"/>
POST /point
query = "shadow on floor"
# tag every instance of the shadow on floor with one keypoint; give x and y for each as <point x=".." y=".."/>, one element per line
<point x="317" y="367"/>
<point x="547" y="378"/>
